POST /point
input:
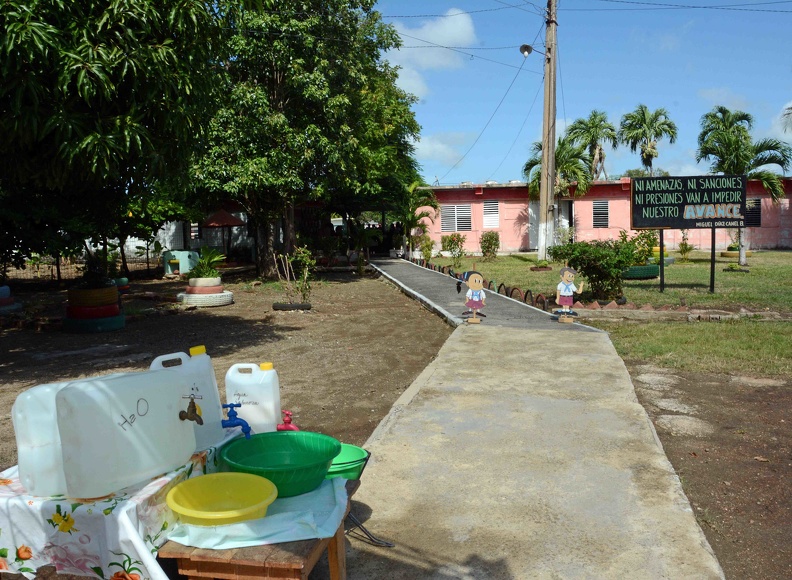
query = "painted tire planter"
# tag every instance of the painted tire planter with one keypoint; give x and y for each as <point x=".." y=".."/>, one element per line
<point x="735" y="254"/>
<point x="94" y="325"/>
<point x="5" y="291"/>
<point x="204" y="289"/>
<point x="92" y="312"/>
<point x="221" y="299"/>
<point x="291" y="306"/>
<point x="641" y="272"/>
<point x="93" y="296"/>
<point x="6" y="300"/>
<point x="202" y="282"/>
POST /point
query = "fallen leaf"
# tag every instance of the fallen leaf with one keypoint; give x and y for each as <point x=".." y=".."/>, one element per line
<point x="760" y="458"/>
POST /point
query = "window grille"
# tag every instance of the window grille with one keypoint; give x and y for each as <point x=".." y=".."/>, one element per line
<point x="455" y="218"/>
<point x="491" y="215"/>
<point x="601" y="213"/>
<point x="753" y="213"/>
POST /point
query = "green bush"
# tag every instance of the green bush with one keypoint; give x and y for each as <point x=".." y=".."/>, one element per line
<point x="455" y="245"/>
<point x="641" y="244"/>
<point x="490" y="244"/>
<point x="601" y="263"/>
<point x="427" y="247"/>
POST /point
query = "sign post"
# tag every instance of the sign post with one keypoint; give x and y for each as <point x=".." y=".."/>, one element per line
<point x="707" y="201"/>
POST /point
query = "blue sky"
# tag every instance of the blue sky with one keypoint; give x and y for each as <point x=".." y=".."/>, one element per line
<point x="612" y="56"/>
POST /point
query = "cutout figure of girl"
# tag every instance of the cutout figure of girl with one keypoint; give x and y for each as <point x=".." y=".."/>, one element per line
<point x="475" y="297"/>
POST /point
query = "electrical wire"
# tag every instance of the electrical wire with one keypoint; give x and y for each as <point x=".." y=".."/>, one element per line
<point x="667" y="6"/>
<point x="472" y="56"/>
<point x="485" y="126"/>
<point x="527" y="115"/>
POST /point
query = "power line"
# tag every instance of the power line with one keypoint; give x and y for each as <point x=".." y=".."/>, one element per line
<point x="667" y="6"/>
<point x="527" y="115"/>
<point x="487" y="124"/>
<point x="472" y="56"/>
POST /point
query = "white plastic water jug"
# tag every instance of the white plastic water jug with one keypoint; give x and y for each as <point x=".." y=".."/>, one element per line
<point x="199" y="376"/>
<point x="257" y="389"/>
<point x="121" y="430"/>
<point x="39" y="454"/>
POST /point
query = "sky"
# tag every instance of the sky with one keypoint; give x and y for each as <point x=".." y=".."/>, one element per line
<point x="481" y="101"/>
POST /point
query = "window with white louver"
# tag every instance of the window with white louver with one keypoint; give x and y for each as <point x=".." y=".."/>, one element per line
<point x="455" y="218"/>
<point x="491" y="216"/>
<point x="601" y="213"/>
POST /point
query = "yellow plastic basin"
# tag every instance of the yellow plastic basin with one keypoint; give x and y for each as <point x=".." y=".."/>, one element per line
<point x="221" y="498"/>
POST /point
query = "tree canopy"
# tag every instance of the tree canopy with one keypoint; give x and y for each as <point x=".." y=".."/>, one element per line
<point x="98" y="97"/>
<point x="594" y="132"/>
<point x="641" y="129"/>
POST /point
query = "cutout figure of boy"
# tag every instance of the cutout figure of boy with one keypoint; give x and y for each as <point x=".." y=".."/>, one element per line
<point x="474" y="297"/>
<point x="565" y="290"/>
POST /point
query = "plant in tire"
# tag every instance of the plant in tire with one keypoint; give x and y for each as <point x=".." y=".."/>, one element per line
<point x="208" y="260"/>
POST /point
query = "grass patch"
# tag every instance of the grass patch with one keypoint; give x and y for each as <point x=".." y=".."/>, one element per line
<point x="768" y="285"/>
<point x="744" y="346"/>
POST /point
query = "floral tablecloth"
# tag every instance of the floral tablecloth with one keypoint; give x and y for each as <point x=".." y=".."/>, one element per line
<point x="111" y="537"/>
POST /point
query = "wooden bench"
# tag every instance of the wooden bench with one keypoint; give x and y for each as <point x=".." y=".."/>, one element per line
<point x="272" y="561"/>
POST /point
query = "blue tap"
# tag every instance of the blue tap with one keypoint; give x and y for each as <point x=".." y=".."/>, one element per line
<point x="234" y="420"/>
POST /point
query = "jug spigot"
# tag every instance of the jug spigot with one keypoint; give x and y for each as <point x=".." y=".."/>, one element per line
<point x="191" y="413"/>
<point x="234" y="420"/>
<point x="287" y="424"/>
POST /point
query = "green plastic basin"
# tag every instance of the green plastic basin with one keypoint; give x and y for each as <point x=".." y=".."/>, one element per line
<point x="349" y="463"/>
<point x="295" y="461"/>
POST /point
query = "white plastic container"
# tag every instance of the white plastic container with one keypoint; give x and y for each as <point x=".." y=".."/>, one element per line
<point x="257" y="389"/>
<point x="199" y="376"/>
<point x="39" y="453"/>
<point x="121" y="430"/>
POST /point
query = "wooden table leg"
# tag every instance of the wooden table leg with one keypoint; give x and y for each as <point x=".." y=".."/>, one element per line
<point x="336" y="554"/>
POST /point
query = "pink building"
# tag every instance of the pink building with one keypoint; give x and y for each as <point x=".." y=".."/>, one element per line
<point x="601" y="214"/>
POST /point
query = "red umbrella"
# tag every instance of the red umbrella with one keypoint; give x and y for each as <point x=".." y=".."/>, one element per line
<point x="223" y="219"/>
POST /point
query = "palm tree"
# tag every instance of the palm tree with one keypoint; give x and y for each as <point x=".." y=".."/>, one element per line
<point x="721" y="119"/>
<point x="592" y="133"/>
<point x="642" y="129"/>
<point x="786" y="116"/>
<point x="408" y="214"/>
<point x="725" y="142"/>
<point x="572" y="164"/>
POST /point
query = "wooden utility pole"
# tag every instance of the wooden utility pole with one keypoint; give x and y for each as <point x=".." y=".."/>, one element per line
<point x="547" y="185"/>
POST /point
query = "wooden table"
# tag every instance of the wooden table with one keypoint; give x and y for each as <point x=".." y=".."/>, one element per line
<point x="272" y="561"/>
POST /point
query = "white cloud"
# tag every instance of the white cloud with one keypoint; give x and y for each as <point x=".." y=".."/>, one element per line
<point x="456" y="29"/>
<point x="780" y="127"/>
<point x="724" y="96"/>
<point x="661" y="41"/>
<point x="443" y="148"/>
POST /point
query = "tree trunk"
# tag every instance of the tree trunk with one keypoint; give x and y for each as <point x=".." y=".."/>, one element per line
<point x="289" y="237"/>
<point x="265" y="250"/>
<point x="124" y="265"/>
<point x="743" y="259"/>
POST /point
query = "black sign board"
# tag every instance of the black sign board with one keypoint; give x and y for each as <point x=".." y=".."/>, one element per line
<point x="709" y="201"/>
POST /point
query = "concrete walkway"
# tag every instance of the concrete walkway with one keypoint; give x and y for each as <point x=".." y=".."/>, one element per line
<point x="520" y="452"/>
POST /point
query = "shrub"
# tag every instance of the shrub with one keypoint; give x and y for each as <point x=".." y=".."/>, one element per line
<point x="455" y="245"/>
<point x="641" y="244"/>
<point x="426" y="246"/>
<point x="601" y="263"/>
<point x="490" y="244"/>
<point x="685" y="248"/>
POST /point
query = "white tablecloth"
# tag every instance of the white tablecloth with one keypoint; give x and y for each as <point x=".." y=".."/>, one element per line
<point x="104" y="537"/>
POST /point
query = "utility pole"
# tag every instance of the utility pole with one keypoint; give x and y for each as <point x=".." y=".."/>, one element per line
<point x="547" y="184"/>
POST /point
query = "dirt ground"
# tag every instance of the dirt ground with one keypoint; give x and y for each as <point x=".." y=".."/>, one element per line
<point x="346" y="361"/>
<point x="729" y="439"/>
